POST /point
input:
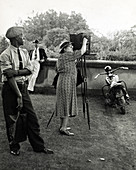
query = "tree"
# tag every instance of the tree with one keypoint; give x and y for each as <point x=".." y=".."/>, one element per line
<point x="37" y="27"/>
<point x="76" y="23"/>
<point x="3" y="44"/>
<point x="55" y="36"/>
<point x="52" y="28"/>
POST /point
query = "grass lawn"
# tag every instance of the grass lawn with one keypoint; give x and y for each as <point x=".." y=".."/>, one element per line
<point x="110" y="144"/>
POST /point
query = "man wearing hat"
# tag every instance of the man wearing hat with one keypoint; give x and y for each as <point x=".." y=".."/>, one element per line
<point x="15" y="67"/>
<point x="37" y="57"/>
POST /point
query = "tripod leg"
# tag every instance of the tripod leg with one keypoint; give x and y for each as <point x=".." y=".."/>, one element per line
<point x="83" y="100"/>
<point x="86" y="102"/>
<point x="85" y="93"/>
<point x="88" y="116"/>
<point x="84" y="108"/>
<point x="82" y="88"/>
<point x="50" y="119"/>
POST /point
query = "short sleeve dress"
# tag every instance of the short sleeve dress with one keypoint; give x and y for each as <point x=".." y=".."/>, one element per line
<point x="66" y="97"/>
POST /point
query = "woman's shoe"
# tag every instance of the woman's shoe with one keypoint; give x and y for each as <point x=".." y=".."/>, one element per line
<point x="66" y="132"/>
<point x="68" y="128"/>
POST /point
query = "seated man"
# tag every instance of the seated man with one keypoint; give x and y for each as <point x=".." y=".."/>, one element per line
<point x="113" y="79"/>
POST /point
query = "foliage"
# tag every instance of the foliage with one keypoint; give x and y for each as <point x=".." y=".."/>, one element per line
<point x="42" y="24"/>
<point x="3" y="44"/>
<point x="51" y="28"/>
<point x="122" y="47"/>
<point x="55" y="36"/>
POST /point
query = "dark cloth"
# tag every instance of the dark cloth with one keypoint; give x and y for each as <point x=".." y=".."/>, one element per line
<point x="9" y="107"/>
<point x="20" y="133"/>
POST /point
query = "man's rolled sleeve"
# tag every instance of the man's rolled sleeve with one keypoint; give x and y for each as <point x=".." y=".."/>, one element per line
<point x="5" y="62"/>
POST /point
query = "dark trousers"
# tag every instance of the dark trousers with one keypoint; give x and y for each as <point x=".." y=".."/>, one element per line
<point x="9" y="107"/>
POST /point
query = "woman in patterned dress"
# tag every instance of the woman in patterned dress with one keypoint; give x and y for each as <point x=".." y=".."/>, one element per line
<point x="66" y="102"/>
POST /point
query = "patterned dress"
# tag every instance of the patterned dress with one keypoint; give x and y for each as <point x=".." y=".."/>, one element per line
<point x="66" y="103"/>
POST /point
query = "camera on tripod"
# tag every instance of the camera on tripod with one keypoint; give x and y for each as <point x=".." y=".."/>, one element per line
<point x="77" y="41"/>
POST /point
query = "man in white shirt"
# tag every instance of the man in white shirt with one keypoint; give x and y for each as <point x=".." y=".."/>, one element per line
<point x="15" y="67"/>
<point x="37" y="57"/>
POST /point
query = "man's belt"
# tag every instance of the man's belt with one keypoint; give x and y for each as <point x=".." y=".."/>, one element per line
<point x="19" y="82"/>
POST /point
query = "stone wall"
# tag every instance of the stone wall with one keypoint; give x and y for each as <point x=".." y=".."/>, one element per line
<point x="93" y="67"/>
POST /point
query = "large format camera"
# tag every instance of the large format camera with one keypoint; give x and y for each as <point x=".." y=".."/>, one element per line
<point x="77" y="40"/>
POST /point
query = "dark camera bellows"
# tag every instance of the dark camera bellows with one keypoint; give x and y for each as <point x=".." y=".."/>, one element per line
<point x="77" y="40"/>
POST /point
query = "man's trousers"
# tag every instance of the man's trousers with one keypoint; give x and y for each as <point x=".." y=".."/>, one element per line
<point x="9" y="108"/>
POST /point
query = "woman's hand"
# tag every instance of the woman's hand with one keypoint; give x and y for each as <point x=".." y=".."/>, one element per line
<point x="83" y="49"/>
<point x="85" y="40"/>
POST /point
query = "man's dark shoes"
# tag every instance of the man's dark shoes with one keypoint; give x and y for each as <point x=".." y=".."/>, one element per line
<point x="46" y="151"/>
<point x="15" y="153"/>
